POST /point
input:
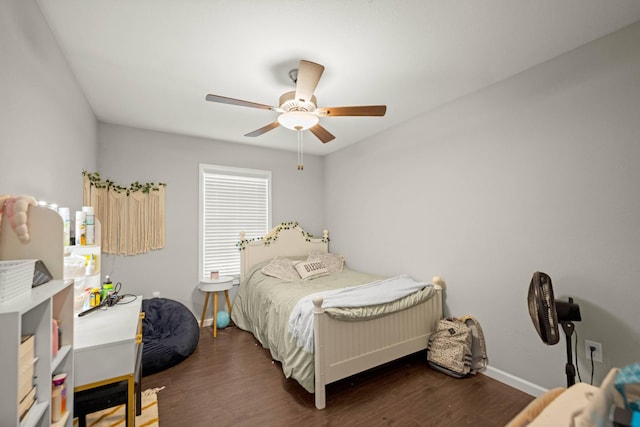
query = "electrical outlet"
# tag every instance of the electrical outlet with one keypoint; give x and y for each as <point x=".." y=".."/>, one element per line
<point x="597" y="354"/>
<point x="156" y="294"/>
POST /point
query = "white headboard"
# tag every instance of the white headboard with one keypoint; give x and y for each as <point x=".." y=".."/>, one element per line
<point x="287" y="239"/>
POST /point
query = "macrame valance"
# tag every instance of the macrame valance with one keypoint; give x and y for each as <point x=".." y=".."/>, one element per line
<point x="132" y="217"/>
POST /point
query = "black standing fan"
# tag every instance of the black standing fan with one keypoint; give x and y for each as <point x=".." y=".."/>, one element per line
<point x="546" y="313"/>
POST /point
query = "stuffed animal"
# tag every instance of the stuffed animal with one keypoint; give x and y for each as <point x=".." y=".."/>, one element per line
<point x="16" y="207"/>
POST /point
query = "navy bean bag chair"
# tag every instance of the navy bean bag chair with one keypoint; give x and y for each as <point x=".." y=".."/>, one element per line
<point x="170" y="334"/>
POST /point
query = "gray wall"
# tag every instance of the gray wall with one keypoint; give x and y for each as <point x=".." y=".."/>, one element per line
<point x="539" y="172"/>
<point x="126" y="155"/>
<point x="47" y="128"/>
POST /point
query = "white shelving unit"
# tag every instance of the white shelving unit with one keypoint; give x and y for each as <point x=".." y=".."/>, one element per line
<point x="33" y="314"/>
<point x="89" y="250"/>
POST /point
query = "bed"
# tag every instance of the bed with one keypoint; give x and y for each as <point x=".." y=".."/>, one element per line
<point x="344" y="341"/>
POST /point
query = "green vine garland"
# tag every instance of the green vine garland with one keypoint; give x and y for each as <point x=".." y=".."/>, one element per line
<point x="97" y="182"/>
<point x="273" y="235"/>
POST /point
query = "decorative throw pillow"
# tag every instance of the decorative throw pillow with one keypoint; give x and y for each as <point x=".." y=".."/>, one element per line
<point x="334" y="263"/>
<point x="311" y="269"/>
<point x="281" y="268"/>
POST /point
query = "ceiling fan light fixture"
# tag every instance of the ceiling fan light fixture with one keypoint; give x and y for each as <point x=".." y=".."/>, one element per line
<point x="298" y="120"/>
<point x="299" y="108"/>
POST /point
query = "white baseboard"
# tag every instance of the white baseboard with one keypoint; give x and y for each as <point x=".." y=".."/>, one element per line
<point x="515" y="382"/>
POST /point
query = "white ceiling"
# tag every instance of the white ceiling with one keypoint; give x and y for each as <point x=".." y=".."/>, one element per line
<point x="150" y="63"/>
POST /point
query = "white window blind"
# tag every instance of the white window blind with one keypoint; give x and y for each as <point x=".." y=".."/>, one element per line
<point x="231" y="200"/>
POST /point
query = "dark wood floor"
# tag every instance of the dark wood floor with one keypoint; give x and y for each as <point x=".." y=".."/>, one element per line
<point x="232" y="381"/>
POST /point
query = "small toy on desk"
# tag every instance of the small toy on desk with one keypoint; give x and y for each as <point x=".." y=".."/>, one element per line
<point x="97" y="301"/>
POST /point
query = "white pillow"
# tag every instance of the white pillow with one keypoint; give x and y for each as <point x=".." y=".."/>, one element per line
<point x="334" y="263"/>
<point x="311" y="269"/>
<point x="281" y="268"/>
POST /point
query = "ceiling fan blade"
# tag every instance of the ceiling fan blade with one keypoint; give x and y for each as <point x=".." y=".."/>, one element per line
<point x="264" y="129"/>
<point x="240" y="102"/>
<point x="363" y="110"/>
<point x="309" y="74"/>
<point x="321" y="133"/>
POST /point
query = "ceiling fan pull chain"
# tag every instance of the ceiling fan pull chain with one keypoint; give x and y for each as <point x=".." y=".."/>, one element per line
<point x="300" y="153"/>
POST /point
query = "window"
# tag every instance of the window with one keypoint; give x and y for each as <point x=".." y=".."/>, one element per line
<point x="231" y="200"/>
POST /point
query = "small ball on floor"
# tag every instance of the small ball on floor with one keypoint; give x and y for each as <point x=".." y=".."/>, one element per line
<point x="222" y="319"/>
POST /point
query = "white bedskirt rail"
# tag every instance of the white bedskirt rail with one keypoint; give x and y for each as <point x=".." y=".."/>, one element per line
<point x="344" y="348"/>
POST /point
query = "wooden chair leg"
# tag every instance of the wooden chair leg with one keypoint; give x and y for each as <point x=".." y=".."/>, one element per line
<point x="226" y="294"/>
<point x="204" y="310"/>
<point x="215" y="314"/>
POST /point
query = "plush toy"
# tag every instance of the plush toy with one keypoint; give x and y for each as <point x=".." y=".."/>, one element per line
<point x="16" y="207"/>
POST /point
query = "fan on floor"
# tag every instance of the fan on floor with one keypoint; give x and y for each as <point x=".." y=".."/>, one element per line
<point x="546" y="312"/>
<point x="299" y="108"/>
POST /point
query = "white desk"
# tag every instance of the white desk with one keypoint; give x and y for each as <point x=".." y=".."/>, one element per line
<point x="105" y="348"/>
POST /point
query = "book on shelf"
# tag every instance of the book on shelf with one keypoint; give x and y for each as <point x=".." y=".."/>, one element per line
<point x="25" y="378"/>
<point x="26" y="365"/>
<point x="25" y="404"/>
<point x="26" y="352"/>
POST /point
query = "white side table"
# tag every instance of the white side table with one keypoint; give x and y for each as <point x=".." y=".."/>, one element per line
<point x="223" y="283"/>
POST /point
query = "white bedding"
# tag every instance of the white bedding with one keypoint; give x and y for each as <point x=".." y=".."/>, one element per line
<point x="376" y="292"/>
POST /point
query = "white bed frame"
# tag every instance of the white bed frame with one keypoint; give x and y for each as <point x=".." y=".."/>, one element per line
<point x="345" y="348"/>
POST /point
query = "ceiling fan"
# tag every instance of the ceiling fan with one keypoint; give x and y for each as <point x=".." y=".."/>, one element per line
<point x="299" y="108"/>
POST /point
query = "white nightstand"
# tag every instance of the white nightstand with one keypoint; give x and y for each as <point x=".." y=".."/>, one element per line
<point x="223" y="283"/>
